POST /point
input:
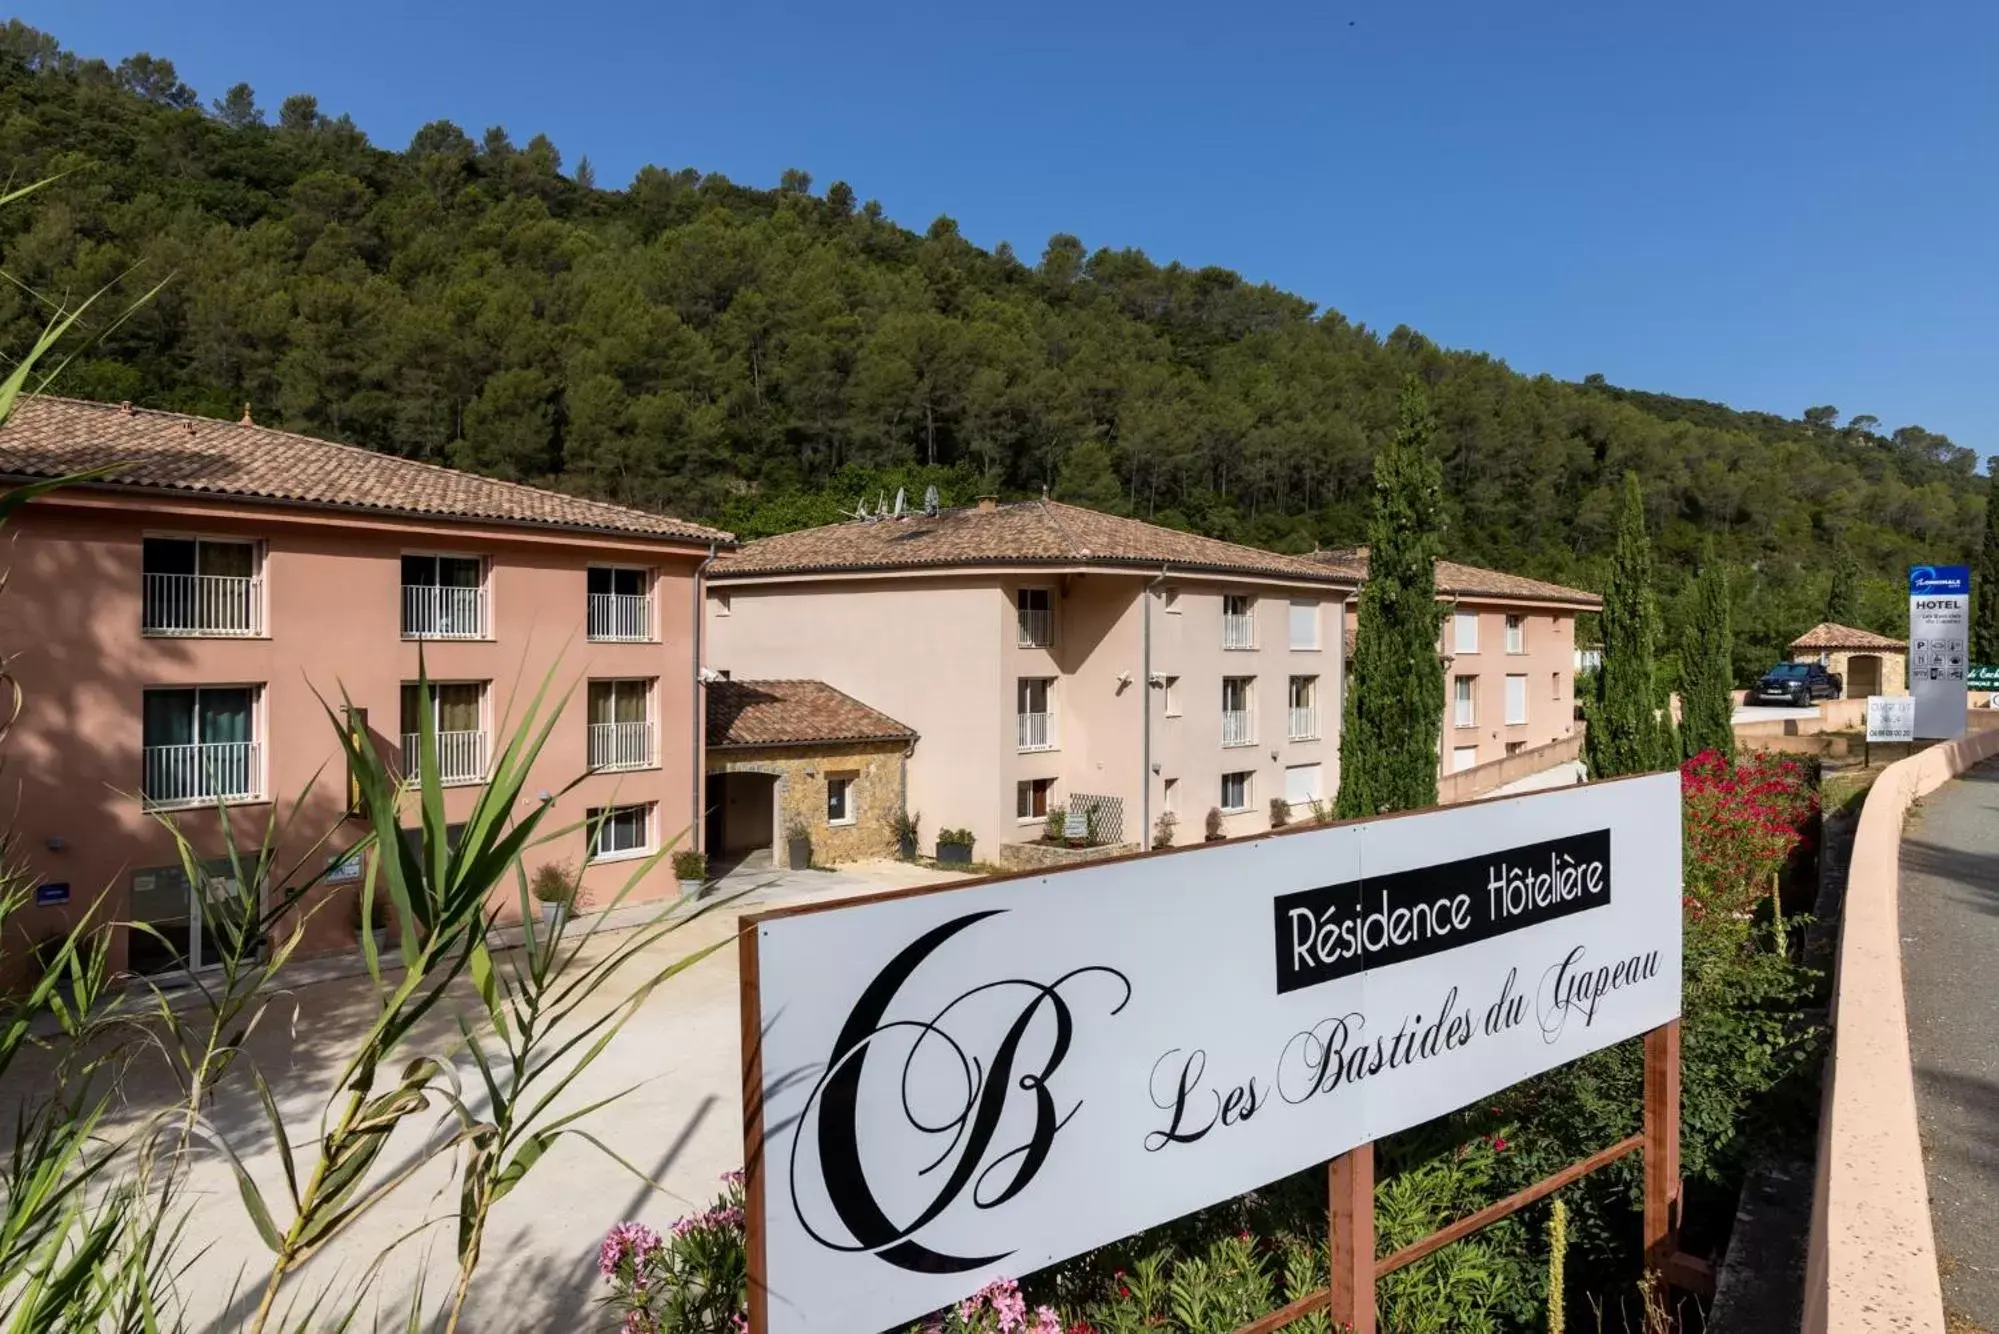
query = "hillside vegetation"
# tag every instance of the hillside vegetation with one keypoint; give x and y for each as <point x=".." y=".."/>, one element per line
<point x="766" y="357"/>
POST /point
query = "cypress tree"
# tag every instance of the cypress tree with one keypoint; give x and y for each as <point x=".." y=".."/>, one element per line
<point x="1842" y="601"/>
<point x="1625" y="735"/>
<point x="1394" y="709"/>
<point x="1707" y="653"/>
<point x="1985" y="580"/>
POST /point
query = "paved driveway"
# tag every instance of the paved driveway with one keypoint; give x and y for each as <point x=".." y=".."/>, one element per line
<point x="1772" y="713"/>
<point x="681" y="1126"/>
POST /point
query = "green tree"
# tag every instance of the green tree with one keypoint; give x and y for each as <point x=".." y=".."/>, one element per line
<point x="238" y="108"/>
<point x="1842" y="603"/>
<point x="1985" y="579"/>
<point x="1625" y="735"/>
<point x="1395" y="700"/>
<point x="1707" y="664"/>
<point x="1088" y="479"/>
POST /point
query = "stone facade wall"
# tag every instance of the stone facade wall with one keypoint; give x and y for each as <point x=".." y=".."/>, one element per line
<point x="1048" y="857"/>
<point x="801" y="794"/>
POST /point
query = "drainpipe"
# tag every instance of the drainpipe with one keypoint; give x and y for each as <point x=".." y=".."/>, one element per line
<point x="1145" y="703"/>
<point x="697" y="830"/>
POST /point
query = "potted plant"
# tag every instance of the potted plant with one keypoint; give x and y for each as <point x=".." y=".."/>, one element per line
<point x="554" y="887"/>
<point x="376" y="923"/>
<point x="908" y="830"/>
<point x="954" y="847"/>
<point x="1280" y="812"/>
<point x="798" y="844"/>
<point x="1162" y="829"/>
<point x="1216" y="828"/>
<point x="690" y="868"/>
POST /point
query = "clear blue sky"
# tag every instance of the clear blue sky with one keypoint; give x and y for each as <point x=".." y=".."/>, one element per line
<point x="1773" y="203"/>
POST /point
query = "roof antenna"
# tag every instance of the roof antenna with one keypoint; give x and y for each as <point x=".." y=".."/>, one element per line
<point x="860" y="514"/>
<point x="901" y="502"/>
<point x="930" y="499"/>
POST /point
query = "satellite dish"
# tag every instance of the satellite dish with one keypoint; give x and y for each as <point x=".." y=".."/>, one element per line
<point x="861" y="511"/>
<point x="901" y="502"/>
<point x="930" y="499"/>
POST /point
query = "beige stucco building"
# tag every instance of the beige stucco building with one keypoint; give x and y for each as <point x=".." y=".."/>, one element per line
<point x="1867" y="663"/>
<point x="1053" y="656"/>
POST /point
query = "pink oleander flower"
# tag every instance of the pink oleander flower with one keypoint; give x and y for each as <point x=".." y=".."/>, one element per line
<point x="733" y="1178"/>
<point x="1045" y="1321"/>
<point x="627" y="1241"/>
<point x="1009" y="1308"/>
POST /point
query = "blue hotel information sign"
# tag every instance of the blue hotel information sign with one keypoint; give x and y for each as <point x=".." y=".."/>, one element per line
<point x="1939" y="646"/>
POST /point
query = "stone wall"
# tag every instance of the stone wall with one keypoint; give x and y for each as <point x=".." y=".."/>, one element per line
<point x="801" y="773"/>
<point x="1051" y="857"/>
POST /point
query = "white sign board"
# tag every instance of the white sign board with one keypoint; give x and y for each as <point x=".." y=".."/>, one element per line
<point x="1891" y="718"/>
<point x="1939" y="646"/>
<point x="977" y="1082"/>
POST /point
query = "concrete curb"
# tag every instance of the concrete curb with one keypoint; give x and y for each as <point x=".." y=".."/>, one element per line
<point x="1872" y="1263"/>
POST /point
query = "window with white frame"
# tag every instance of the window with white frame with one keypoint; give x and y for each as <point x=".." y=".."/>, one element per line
<point x="1304" y="695"/>
<point x="457" y="716"/>
<point x="1516" y="700"/>
<point x="1464" y="696"/>
<point x="620" y="603"/>
<point x="1463" y="758"/>
<point x="1302" y="786"/>
<point x="1238" y="621"/>
<point x="1236" y="790"/>
<point x="1238" y="719"/>
<point x="1034" y="611"/>
<point x="199" y="746"/>
<point x="1169" y="800"/>
<point x="1030" y="798"/>
<point x="1171" y="690"/>
<point x="1304" y="623"/>
<point x="1464" y="632"/>
<point x="201" y="586"/>
<point x="840" y="798"/>
<point x="618" y="831"/>
<point x="619" y="731"/>
<point x="1516" y="634"/>
<point x="1035" y="700"/>
<point x="444" y="597"/>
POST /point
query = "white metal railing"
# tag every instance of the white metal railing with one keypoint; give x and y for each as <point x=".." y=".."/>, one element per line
<point x="1037" y="627"/>
<point x="195" y="774"/>
<point x="1238" y="631"/>
<point x="626" y="616"/>
<point x="461" y="756"/>
<point x="620" y="745"/>
<point x="1236" y="730"/>
<point x="202" y="604"/>
<point x="1037" y="731"/>
<point x="433" y="611"/>
<point x="1304" y="724"/>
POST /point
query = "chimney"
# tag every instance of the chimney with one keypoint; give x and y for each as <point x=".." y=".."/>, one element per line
<point x="126" y="407"/>
<point x="246" y="417"/>
<point x="987" y="504"/>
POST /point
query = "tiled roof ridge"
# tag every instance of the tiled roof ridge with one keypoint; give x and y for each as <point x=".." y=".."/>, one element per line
<point x="1832" y="634"/>
<point x="123" y="409"/>
<point x="1062" y="533"/>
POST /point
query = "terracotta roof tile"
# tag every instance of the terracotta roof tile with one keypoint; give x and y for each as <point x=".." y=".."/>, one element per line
<point x="1470" y="581"/>
<point x="169" y="451"/>
<point x="1029" y="532"/>
<point x="792" y="713"/>
<point x="1826" y="636"/>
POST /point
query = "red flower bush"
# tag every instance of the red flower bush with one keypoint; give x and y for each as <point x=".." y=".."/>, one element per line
<point x="1742" y="824"/>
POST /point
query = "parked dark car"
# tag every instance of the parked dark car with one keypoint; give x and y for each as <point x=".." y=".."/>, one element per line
<point x="1796" y="683"/>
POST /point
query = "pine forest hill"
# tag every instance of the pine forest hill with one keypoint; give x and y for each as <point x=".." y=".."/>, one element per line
<point x="765" y="358"/>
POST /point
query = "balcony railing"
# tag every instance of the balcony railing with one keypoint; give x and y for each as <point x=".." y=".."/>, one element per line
<point x="1304" y="724"/>
<point x="1236" y="729"/>
<point x="1037" y="627"/>
<point x="199" y="774"/>
<point x="202" y="604"/>
<point x="461" y="756"/>
<point x="620" y="745"/>
<point x="1037" y="731"/>
<point x="433" y="611"/>
<point x="1238" y="631"/>
<point x="620" y="616"/>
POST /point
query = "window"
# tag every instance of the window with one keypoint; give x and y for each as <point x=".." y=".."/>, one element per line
<point x="1304" y="708"/>
<point x="840" y="808"/>
<point x="720" y="601"/>
<point x="1301" y="786"/>
<point x="1464" y="692"/>
<point x="199" y="746"/>
<point x="1238" y="727"/>
<point x="1030" y="798"/>
<point x="1463" y="758"/>
<point x="1034" y="610"/>
<point x="1236" y="790"/>
<point x="1516" y="634"/>
<point x="618" y="831"/>
<point x="1464" y="632"/>
<point x="1555" y="686"/>
<point x="1304" y="623"/>
<point x="1516" y="700"/>
<point x="1238" y="621"/>
<point x="1172" y="693"/>
<point x="1170" y="801"/>
<point x="194" y="586"/>
<point x="1171" y="597"/>
<point x="620" y="603"/>
<point x="1034" y="696"/>
<point x="1515" y="747"/>
<point x="619" y="732"/>
<point x="457" y="712"/>
<point x="444" y="597"/>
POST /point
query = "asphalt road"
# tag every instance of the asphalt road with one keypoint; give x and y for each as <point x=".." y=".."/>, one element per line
<point x="1950" y="959"/>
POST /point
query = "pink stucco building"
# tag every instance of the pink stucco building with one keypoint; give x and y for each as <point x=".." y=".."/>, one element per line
<point x="180" y="625"/>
